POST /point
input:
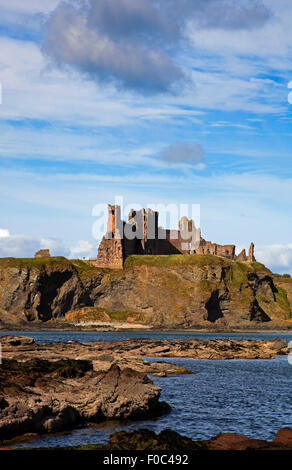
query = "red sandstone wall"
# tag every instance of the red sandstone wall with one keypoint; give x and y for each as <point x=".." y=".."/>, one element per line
<point x="113" y="252"/>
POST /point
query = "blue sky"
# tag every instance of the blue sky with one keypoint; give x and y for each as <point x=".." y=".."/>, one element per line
<point x="97" y="95"/>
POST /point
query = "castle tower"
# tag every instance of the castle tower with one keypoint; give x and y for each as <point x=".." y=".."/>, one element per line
<point x="251" y="256"/>
<point x="114" y="222"/>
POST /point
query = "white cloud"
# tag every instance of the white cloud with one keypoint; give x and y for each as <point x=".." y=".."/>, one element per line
<point x="83" y="249"/>
<point x="21" y="246"/>
<point x="231" y="124"/>
<point x="4" y="233"/>
<point x="259" y="42"/>
<point x="276" y="257"/>
<point x="32" y="90"/>
<point x="131" y="43"/>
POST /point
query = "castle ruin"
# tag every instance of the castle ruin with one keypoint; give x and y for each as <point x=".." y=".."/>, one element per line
<point x="141" y="235"/>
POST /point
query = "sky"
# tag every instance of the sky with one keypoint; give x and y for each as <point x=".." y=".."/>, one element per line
<point x="150" y="102"/>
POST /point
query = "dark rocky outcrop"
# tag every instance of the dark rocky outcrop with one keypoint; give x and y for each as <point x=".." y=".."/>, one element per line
<point x="170" y="441"/>
<point x="40" y="396"/>
<point x="159" y="291"/>
<point x="145" y="439"/>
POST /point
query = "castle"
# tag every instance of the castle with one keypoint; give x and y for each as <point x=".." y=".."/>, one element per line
<point x="141" y="235"/>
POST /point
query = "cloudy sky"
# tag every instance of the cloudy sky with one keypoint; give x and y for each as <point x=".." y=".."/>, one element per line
<point x="151" y="102"/>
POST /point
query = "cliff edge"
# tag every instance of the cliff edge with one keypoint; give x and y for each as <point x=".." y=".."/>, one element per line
<point x="176" y="291"/>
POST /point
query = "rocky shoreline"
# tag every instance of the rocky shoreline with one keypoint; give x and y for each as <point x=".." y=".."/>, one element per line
<point x="271" y="327"/>
<point x="102" y="353"/>
<point x="170" y="441"/>
<point x="53" y="387"/>
<point x="40" y="396"/>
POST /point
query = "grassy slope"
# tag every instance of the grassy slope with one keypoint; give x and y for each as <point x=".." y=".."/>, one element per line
<point x="38" y="263"/>
<point x="196" y="260"/>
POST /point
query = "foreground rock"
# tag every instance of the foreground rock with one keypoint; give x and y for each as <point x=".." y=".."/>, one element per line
<point x="233" y="441"/>
<point x="43" y="397"/>
<point x="129" y="352"/>
<point x="171" y="441"/>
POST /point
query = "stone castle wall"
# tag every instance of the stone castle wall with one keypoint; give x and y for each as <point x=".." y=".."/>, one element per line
<point x="140" y="235"/>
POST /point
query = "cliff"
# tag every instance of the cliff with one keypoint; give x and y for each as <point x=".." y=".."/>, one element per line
<point x="161" y="291"/>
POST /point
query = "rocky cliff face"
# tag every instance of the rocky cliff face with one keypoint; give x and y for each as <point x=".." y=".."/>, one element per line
<point x="161" y="291"/>
<point x="191" y="290"/>
<point x="41" y="288"/>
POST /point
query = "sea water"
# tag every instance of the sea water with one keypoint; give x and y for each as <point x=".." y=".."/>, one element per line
<point x="250" y="397"/>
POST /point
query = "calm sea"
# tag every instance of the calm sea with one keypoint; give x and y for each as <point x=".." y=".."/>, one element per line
<point x="251" y="397"/>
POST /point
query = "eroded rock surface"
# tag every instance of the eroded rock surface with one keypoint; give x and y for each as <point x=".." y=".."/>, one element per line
<point x="42" y="397"/>
<point x="132" y="350"/>
<point x="171" y="441"/>
<point x="179" y="291"/>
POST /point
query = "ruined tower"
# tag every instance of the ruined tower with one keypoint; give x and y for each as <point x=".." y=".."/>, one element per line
<point x="141" y="235"/>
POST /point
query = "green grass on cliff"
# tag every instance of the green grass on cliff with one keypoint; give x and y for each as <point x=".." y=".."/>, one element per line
<point x="175" y="260"/>
<point x="282" y="300"/>
<point x="58" y="261"/>
<point x="87" y="314"/>
<point x="239" y="268"/>
<point x="86" y="269"/>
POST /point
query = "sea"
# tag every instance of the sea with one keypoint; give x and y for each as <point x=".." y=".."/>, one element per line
<point x="250" y="397"/>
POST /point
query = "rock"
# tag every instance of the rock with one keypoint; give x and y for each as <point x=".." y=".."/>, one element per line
<point x="16" y="340"/>
<point x="279" y="345"/>
<point x="284" y="437"/>
<point x="40" y="289"/>
<point x="41" y="396"/>
<point x="183" y="291"/>
<point x="144" y="439"/>
<point x="159" y="369"/>
<point x="128" y="353"/>
<point x="168" y="440"/>
<point x="105" y="358"/>
<point x="251" y="257"/>
<point x="233" y="441"/>
<point x="42" y="254"/>
<point x="242" y="256"/>
<point x="159" y="374"/>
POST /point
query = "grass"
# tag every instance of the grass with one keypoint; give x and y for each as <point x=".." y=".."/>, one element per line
<point x="207" y="286"/>
<point x="175" y="260"/>
<point x="39" y="263"/>
<point x="59" y="262"/>
<point x="86" y="269"/>
<point x="282" y="300"/>
<point x="103" y="314"/>
<point x="239" y="273"/>
<point x="196" y="260"/>
<point x="259" y="267"/>
<point x="121" y="315"/>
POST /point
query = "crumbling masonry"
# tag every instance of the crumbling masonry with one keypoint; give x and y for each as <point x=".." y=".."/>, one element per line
<point x="141" y="235"/>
